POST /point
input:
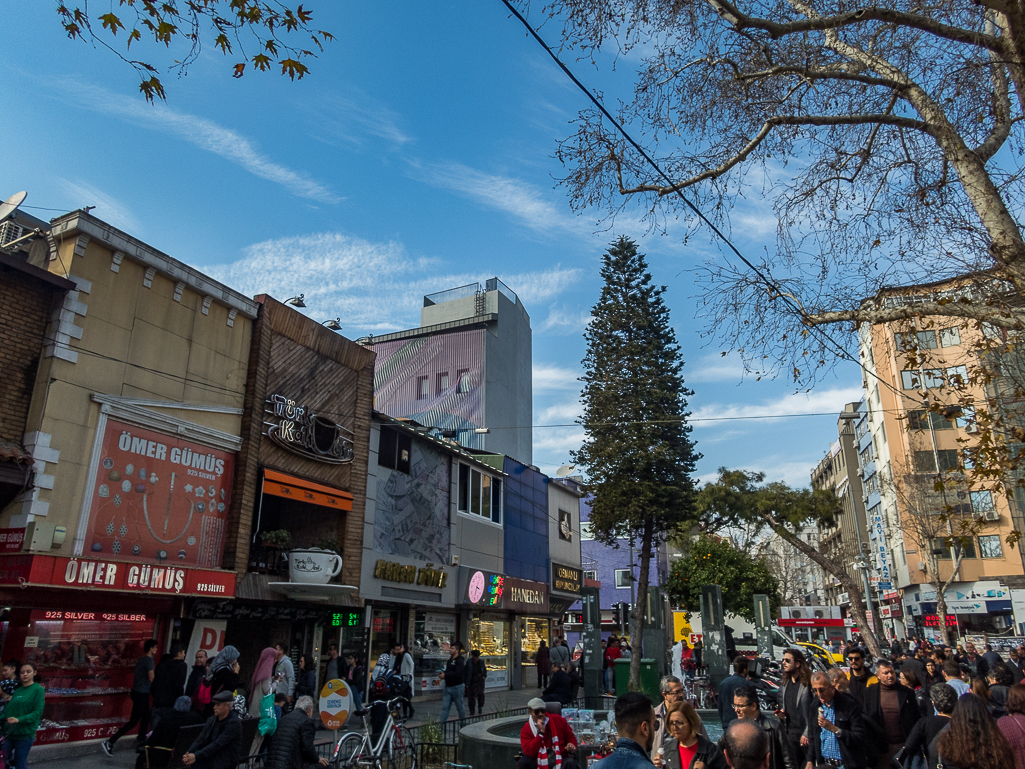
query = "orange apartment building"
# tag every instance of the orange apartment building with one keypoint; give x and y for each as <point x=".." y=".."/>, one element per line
<point x="906" y="450"/>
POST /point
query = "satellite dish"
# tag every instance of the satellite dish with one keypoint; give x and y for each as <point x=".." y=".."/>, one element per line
<point x="10" y="205"/>
<point x="565" y="470"/>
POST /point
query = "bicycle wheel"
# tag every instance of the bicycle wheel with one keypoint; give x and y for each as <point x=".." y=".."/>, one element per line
<point x="401" y="749"/>
<point x="347" y="751"/>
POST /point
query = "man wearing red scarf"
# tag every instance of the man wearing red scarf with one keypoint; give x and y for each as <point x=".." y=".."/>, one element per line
<point x="546" y="740"/>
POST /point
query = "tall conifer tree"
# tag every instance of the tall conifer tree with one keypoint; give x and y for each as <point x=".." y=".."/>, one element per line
<point x="637" y="452"/>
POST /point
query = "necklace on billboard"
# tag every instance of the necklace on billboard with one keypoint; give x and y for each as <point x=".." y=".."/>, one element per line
<point x="167" y="516"/>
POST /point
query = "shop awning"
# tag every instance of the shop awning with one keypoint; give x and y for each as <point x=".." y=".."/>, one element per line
<point x="290" y="487"/>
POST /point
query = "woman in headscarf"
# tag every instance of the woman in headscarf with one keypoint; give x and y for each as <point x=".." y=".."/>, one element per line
<point x="261" y="684"/>
<point x="222" y="676"/>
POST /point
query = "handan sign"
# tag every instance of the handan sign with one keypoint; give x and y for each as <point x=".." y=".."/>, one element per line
<point x="302" y="432"/>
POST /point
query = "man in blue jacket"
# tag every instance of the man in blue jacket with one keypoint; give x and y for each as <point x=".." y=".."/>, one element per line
<point x="635" y="720"/>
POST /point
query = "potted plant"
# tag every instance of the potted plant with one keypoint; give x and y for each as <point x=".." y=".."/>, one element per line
<point x="274" y="542"/>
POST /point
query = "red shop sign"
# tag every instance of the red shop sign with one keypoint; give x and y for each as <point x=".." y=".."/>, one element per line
<point x="169" y="579"/>
<point x="11" y="540"/>
<point x="810" y="622"/>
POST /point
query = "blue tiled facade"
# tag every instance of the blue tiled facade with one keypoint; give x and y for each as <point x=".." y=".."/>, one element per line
<point x="526" y="522"/>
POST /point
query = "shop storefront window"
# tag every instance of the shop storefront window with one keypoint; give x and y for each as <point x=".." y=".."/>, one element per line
<point x="384" y="633"/>
<point x="532" y="632"/>
<point x="85" y="661"/>
<point x="433" y="636"/>
<point x="491" y="636"/>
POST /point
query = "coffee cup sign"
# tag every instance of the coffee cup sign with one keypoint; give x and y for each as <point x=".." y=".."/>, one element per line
<point x="335" y="704"/>
<point x="313" y="565"/>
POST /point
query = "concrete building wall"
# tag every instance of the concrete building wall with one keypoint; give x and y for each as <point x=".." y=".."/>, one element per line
<point x="141" y="326"/>
<point x="564" y="522"/>
<point x="508" y="393"/>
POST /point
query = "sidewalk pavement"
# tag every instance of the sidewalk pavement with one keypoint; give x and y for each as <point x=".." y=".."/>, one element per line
<point x="89" y="755"/>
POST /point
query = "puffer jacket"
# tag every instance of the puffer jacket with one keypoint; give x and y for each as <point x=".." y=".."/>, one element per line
<point x="292" y="746"/>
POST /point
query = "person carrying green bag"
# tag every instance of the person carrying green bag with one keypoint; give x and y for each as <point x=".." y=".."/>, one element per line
<point x="261" y="697"/>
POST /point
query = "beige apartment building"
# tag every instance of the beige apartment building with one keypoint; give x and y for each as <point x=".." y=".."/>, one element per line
<point x="909" y="365"/>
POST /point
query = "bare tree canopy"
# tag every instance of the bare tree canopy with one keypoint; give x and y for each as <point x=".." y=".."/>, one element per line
<point x="885" y="137"/>
<point x="262" y="34"/>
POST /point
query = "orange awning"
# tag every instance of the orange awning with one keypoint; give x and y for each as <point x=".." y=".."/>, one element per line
<point x="290" y="487"/>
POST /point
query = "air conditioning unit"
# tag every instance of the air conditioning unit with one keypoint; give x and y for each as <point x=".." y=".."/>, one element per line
<point x="992" y="515"/>
<point x="972" y="428"/>
<point x="921" y="565"/>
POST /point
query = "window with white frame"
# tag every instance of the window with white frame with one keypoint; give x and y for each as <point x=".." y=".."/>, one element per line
<point x="950" y="337"/>
<point x="982" y="501"/>
<point x="624" y="577"/>
<point x="585" y="531"/>
<point x="479" y="494"/>
<point x="591" y="575"/>
<point x="990" y="547"/>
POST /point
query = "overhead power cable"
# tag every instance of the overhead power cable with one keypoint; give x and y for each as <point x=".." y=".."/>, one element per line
<point x="763" y="277"/>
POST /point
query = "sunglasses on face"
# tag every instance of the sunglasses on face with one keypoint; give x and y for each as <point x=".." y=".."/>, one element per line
<point x="854" y="659"/>
<point x="538" y="712"/>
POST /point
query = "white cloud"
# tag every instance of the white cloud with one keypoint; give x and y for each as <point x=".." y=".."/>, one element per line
<point x="793" y="472"/>
<point x="374" y="287"/>
<point x="560" y="413"/>
<point x="108" y="208"/>
<point x="715" y="368"/>
<point x="816" y="402"/>
<point x="352" y="118"/>
<point x="206" y="135"/>
<point x="565" y="322"/>
<point x="548" y="377"/>
<point x="523" y="201"/>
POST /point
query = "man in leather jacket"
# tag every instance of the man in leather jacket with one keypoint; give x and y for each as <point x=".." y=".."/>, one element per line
<point x="837" y="729"/>
<point x="745" y="705"/>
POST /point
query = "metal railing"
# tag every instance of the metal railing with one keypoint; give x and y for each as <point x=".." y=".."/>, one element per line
<point x="453" y="293"/>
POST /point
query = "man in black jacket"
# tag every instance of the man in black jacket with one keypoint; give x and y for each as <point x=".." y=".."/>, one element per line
<point x="219" y="744"/>
<point x="198" y="673"/>
<point x="455" y="682"/>
<point x="891" y="711"/>
<point x="745" y="705"/>
<point x="292" y="746"/>
<point x="837" y="731"/>
<point x="169" y="678"/>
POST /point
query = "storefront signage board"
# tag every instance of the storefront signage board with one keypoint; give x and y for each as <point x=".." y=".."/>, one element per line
<point x="440" y="624"/>
<point x="157" y="498"/>
<point x="524" y="596"/>
<point x="89" y="574"/>
<point x="207" y="636"/>
<point x="483" y="588"/>
<point x="296" y="428"/>
<point x="408" y="574"/>
<point x="257" y="612"/>
<point x="335" y="704"/>
<point x="11" y="540"/>
<point x="566" y="579"/>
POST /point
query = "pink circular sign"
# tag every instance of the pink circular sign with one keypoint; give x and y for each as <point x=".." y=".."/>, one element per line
<point x="476" y="589"/>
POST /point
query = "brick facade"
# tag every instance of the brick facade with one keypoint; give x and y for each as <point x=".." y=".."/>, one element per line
<point x="27" y="296"/>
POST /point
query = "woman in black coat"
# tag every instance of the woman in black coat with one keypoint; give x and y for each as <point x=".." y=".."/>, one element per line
<point x="306" y="679"/>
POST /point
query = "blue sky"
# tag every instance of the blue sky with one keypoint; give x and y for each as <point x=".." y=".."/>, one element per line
<point x="417" y="156"/>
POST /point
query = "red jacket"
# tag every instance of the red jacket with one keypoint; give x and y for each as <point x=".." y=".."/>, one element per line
<point x="557" y="725"/>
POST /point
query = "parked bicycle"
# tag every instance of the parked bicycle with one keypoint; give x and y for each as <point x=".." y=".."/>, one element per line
<point x="702" y="694"/>
<point x="394" y="748"/>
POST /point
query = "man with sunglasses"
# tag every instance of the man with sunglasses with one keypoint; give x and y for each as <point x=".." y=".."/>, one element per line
<point x="546" y="740"/>
<point x="745" y="705"/>
<point x="793" y="698"/>
<point x="860" y="676"/>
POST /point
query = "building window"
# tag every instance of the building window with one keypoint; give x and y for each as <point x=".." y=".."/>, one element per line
<point x="624" y="577"/>
<point x="421" y="388"/>
<point x="463" y="380"/>
<point x="922" y="420"/>
<point x="925" y="462"/>
<point x="394" y="450"/>
<point x="950" y="337"/>
<point x="585" y="531"/>
<point x="941" y="548"/>
<point x="591" y="575"/>
<point x="871" y="485"/>
<point x="920" y="340"/>
<point x="957" y="376"/>
<point x="982" y="501"/>
<point x="479" y="494"/>
<point x="442" y="382"/>
<point x="990" y="547"/>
